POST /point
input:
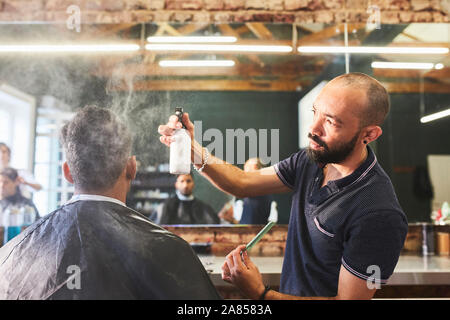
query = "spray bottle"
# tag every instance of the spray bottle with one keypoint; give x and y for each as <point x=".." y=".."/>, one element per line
<point x="180" y="148"/>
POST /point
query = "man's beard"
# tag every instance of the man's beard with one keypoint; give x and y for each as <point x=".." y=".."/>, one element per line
<point x="331" y="155"/>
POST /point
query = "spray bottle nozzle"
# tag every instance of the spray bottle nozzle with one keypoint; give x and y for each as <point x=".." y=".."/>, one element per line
<point x="179" y="114"/>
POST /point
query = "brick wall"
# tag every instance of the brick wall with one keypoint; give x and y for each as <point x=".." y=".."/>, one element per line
<point x="227" y="11"/>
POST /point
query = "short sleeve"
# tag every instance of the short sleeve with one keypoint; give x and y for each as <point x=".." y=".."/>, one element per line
<point x="373" y="244"/>
<point x="287" y="168"/>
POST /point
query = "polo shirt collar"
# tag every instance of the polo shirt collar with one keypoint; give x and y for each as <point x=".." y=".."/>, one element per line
<point x="356" y="175"/>
<point x="319" y="195"/>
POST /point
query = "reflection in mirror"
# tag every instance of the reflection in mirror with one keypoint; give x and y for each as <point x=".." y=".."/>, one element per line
<point x="249" y="89"/>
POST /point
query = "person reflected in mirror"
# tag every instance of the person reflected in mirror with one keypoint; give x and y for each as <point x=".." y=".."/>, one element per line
<point x="250" y="210"/>
<point x="27" y="182"/>
<point x="94" y="246"/>
<point x="184" y="207"/>
<point x="16" y="210"/>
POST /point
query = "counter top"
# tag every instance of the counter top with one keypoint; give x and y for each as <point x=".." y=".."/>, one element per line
<point x="410" y="270"/>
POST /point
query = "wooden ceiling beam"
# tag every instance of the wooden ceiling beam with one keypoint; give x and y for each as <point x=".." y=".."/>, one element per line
<point x="322" y="36"/>
<point x="415" y="87"/>
<point x="411" y="74"/>
<point x="212" y="85"/>
<point x="260" y="30"/>
<point x="245" y="70"/>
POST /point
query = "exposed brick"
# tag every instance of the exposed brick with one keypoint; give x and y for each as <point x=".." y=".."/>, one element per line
<point x="423" y="16"/>
<point x="419" y="5"/>
<point x="262" y="17"/>
<point x="445" y="7"/>
<point x="304" y="17"/>
<point x="333" y="4"/>
<point x="295" y="4"/>
<point x="184" y="4"/>
<point x="22" y="6"/>
<point x="284" y="18"/>
<point x="389" y="17"/>
<point x="324" y="16"/>
<point x="62" y="5"/>
<point x="203" y="17"/>
<point x="357" y="16"/>
<point x="315" y="5"/>
<point x="114" y="5"/>
<point x="234" y="4"/>
<point x="255" y="4"/>
<point x="439" y="17"/>
<point x="142" y="16"/>
<point x="155" y="4"/>
<point x="95" y="5"/>
<point x="214" y="4"/>
<point x="276" y="5"/>
<point x="243" y="17"/>
<point x="174" y="4"/>
<point x="340" y="17"/>
<point x="136" y="5"/>
<point x="406" y="16"/>
<point x="163" y="16"/>
<point x="181" y="16"/>
<point x="356" y="4"/>
<point x="438" y="5"/>
<point x="399" y="5"/>
<point x="192" y="4"/>
<point x="222" y="17"/>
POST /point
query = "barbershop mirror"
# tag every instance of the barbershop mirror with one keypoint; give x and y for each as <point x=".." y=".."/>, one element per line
<point x="262" y="97"/>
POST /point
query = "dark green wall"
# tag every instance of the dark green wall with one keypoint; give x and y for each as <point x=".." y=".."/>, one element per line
<point x="406" y="142"/>
<point x="221" y="110"/>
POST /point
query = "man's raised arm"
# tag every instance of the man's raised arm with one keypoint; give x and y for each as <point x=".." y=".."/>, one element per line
<point x="221" y="174"/>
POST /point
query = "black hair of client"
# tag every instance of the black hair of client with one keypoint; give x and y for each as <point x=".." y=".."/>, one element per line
<point x="10" y="173"/>
<point x="97" y="146"/>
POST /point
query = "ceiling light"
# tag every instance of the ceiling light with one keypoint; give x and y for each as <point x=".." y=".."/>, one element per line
<point x="219" y="39"/>
<point x="69" y="48"/>
<point x="435" y="116"/>
<point x="373" y="50"/>
<point x="196" y="63"/>
<point x="402" y="65"/>
<point x="219" y="48"/>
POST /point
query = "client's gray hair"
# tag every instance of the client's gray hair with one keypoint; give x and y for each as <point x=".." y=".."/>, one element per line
<point x="97" y="146"/>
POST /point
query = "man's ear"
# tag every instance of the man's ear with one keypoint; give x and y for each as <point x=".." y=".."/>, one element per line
<point x="131" y="168"/>
<point x="66" y="171"/>
<point x="371" y="134"/>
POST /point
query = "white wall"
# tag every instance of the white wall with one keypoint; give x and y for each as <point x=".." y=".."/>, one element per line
<point x="17" y="125"/>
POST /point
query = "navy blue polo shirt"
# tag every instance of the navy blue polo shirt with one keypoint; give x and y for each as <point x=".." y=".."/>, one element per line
<point x="355" y="222"/>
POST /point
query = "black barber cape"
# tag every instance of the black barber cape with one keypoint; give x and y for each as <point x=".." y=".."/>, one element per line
<point x="176" y="211"/>
<point x="100" y="250"/>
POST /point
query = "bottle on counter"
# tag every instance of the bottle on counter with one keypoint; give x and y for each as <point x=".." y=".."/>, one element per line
<point x="180" y="148"/>
<point x="29" y="216"/>
<point x="15" y="222"/>
<point x="427" y="239"/>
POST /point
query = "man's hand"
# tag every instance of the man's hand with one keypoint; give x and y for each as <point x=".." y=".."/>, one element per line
<point x="227" y="213"/>
<point x="166" y="131"/>
<point x="243" y="274"/>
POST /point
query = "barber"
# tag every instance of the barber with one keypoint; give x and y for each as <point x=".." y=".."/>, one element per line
<point x="346" y="226"/>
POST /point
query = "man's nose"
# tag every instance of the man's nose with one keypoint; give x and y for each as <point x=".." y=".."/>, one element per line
<point x="316" y="127"/>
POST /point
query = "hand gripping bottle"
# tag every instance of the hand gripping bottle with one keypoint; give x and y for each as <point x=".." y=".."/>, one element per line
<point x="180" y="148"/>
